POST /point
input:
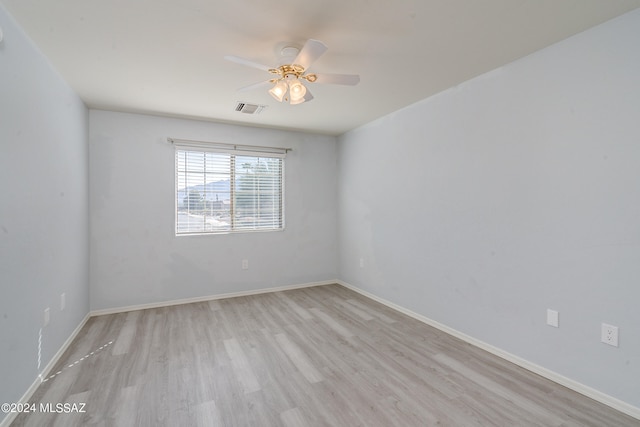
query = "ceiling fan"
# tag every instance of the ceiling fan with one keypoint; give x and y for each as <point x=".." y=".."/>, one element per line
<point x="287" y="85"/>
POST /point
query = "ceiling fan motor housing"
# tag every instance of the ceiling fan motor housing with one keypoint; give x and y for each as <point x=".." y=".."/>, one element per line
<point x="288" y="54"/>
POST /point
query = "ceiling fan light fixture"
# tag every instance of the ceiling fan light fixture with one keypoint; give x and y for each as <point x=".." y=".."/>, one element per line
<point x="279" y="90"/>
<point x="288" y="85"/>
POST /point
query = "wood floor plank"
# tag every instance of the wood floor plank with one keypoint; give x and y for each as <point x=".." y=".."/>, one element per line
<point x="208" y="414"/>
<point x="376" y="313"/>
<point x="292" y="305"/>
<point x="353" y="309"/>
<point x="127" y="333"/>
<point x="241" y="367"/>
<point x="293" y="418"/>
<point x="299" y="359"/>
<point x="321" y="356"/>
<point x="332" y="323"/>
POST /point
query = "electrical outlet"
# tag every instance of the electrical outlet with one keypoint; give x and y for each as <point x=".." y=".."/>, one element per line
<point x="552" y="318"/>
<point x="609" y="334"/>
<point x="361" y="262"/>
<point x="46" y="316"/>
<point x="63" y="301"/>
<point x="245" y="264"/>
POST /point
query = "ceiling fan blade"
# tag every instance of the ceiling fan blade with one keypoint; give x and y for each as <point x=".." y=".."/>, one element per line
<point x="307" y="96"/>
<point x="244" y="61"/>
<point x="338" y="79"/>
<point x="311" y="51"/>
<point x="260" y="85"/>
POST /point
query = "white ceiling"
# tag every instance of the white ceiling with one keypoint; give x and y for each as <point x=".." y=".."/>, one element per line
<point x="166" y="56"/>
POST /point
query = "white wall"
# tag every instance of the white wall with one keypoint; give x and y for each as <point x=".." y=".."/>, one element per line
<point x="44" y="216"/>
<point x="136" y="257"/>
<point x="515" y="192"/>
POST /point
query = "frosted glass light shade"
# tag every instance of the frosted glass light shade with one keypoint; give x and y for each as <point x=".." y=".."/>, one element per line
<point x="297" y="91"/>
<point x="279" y="90"/>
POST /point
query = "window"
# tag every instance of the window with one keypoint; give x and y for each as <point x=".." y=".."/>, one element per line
<point x="226" y="188"/>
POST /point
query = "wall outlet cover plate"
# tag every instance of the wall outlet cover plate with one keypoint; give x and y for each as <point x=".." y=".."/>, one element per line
<point x="609" y="334"/>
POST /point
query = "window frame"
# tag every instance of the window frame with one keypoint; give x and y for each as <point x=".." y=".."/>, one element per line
<point x="234" y="151"/>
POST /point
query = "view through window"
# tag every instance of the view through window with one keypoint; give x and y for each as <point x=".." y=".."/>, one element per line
<point x="221" y="192"/>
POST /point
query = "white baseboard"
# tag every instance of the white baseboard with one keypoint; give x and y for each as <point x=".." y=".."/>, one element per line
<point x="207" y="298"/>
<point x="26" y="397"/>
<point x="592" y="393"/>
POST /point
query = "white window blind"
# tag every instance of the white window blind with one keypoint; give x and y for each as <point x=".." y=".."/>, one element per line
<point x="225" y="188"/>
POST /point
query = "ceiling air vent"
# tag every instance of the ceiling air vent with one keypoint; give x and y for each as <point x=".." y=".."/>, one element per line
<point x="243" y="107"/>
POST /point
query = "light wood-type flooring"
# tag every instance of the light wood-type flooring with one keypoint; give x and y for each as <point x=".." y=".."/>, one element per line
<point x="321" y="356"/>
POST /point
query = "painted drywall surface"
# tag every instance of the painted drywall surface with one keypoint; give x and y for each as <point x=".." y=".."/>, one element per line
<point x="136" y="257"/>
<point x="515" y="192"/>
<point x="44" y="210"/>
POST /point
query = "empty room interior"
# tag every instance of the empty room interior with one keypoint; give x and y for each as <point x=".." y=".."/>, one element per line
<point x="297" y="213"/>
